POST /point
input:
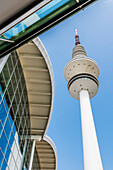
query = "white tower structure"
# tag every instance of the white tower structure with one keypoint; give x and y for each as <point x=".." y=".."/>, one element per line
<point x="81" y="73"/>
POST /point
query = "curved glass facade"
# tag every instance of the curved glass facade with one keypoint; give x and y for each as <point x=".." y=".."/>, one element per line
<point x="15" y="143"/>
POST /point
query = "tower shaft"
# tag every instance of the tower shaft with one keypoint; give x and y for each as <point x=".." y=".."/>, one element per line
<point x="92" y="159"/>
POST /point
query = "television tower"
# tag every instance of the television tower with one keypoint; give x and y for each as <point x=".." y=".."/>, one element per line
<point x="81" y="73"/>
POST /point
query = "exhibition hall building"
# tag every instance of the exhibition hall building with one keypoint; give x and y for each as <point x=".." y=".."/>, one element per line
<point x="27" y="81"/>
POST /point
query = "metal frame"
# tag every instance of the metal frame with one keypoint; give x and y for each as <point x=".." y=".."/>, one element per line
<point x="20" y="17"/>
<point x="45" y="26"/>
<point x="32" y="155"/>
<point x="1" y="39"/>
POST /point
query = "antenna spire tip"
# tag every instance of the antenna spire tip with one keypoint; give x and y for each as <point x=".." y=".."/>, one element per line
<point x="76" y="30"/>
<point x="76" y="38"/>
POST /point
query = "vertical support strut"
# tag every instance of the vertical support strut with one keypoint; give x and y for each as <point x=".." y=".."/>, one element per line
<point x="23" y="156"/>
<point x="92" y="158"/>
<point x="32" y="155"/>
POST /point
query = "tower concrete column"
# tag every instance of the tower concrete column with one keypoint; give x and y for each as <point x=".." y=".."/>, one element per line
<point x="92" y="159"/>
<point x="81" y="73"/>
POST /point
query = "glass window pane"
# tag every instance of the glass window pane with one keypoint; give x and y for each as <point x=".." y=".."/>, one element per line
<point x="14" y="84"/>
<point x="2" y="82"/>
<point x="3" y="142"/>
<point x="6" y="73"/>
<point x="13" y="58"/>
<point x="10" y="66"/>
<point x="17" y="96"/>
<point x="7" y="128"/>
<point x="11" y="140"/>
<point x="9" y="116"/>
<point x="7" y="99"/>
<point x="4" y="165"/>
<point x="16" y="73"/>
<point x="0" y="128"/>
<point x="10" y="91"/>
<point x="7" y="153"/>
<point x="1" y="157"/>
<point x="3" y="114"/>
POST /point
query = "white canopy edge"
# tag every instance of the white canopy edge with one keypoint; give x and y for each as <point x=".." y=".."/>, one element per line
<point x="40" y="46"/>
<point x="49" y="141"/>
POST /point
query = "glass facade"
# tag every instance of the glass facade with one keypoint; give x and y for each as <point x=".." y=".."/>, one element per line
<point x="15" y="146"/>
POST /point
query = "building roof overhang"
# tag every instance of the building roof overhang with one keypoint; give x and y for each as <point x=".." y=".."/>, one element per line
<point x="47" y="153"/>
<point x="14" y="11"/>
<point x="40" y="85"/>
<point x="12" y="37"/>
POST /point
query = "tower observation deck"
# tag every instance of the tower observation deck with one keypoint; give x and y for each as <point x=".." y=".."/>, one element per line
<point x="81" y="73"/>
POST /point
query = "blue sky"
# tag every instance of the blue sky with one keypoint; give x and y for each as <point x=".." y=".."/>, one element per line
<point x="95" y="29"/>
